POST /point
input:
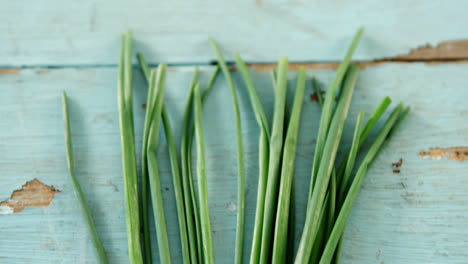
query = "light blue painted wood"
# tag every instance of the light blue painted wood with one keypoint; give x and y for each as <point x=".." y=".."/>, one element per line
<point x="417" y="216"/>
<point x="57" y="32"/>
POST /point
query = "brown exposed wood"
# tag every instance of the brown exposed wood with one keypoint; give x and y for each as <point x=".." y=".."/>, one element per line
<point x="456" y="153"/>
<point x="314" y="97"/>
<point x="10" y="71"/>
<point x="448" y="50"/>
<point x="398" y="164"/>
<point x="32" y="194"/>
<point x="445" y="52"/>
<point x="334" y="66"/>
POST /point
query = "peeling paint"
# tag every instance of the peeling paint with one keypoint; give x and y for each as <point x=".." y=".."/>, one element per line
<point x="32" y="194"/>
<point x="448" y="50"/>
<point x="334" y="66"/>
<point x="445" y="52"/>
<point x="455" y="153"/>
<point x="10" y="71"/>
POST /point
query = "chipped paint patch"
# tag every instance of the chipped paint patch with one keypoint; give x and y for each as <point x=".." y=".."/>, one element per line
<point x="334" y="66"/>
<point x="448" y="50"/>
<point x="10" y="71"/>
<point x="456" y="153"/>
<point x="445" y="52"/>
<point x="32" y="194"/>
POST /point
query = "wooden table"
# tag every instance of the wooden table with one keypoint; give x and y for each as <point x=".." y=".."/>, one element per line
<point x="416" y="216"/>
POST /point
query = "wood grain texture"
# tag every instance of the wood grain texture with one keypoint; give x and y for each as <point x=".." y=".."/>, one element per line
<point x="416" y="216"/>
<point x="57" y="32"/>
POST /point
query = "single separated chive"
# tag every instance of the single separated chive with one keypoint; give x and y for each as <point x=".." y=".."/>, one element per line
<point x="85" y="213"/>
<point x="132" y="218"/>
<point x="201" y="175"/>
<point x="240" y="158"/>
<point x="263" y="149"/>
<point x="327" y="109"/>
<point x="341" y="221"/>
<point x="191" y="208"/>
<point x="276" y="148"/>
<point x="280" y="239"/>
<point x="176" y="180"/>
<point x="153" y="171"/>
<point x="314" y="205"/>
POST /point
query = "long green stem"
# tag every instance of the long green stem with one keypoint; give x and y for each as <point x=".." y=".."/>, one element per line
<point x="128" y="152"/>
<point x="85" y="213"/>
<point x="331" y="202"/>
<point x="287" y="174"/>
<point x="153" y="171"/>
<point x="395" y="127"/>
<point x="176" y="179"/>
<point x="392" y="132"/>
<point x="256" y="105"/>
<point x="189" y="167"/>
<point x="364" y="134"/>
<point x="326" y="165"/>
<point x="144" y="167"/>
<point x="240" y="158"/>
<point x="347" y="175"/>
<point x="263" y="149"/>
<point x="351" y="157"/>
<point x="327" y="109"/>
<point x="191" y="212"/>
<point x="276" y="148"/>
<point x="340" y="223"/>
<point x="291" y="226"/>
<point x="201" y="175"/>
<point x="321" y="234"/>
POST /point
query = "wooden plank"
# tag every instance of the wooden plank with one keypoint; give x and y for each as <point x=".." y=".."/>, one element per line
<point x="56" y="32"/>
<point x="416" y="216"/>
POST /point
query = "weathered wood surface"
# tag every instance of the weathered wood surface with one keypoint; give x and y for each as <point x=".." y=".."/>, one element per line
<point x="416" y="216"/>
<point x="57" y="32"/>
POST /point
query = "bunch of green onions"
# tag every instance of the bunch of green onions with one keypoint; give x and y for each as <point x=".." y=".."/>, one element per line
<point x="332" y="189"/>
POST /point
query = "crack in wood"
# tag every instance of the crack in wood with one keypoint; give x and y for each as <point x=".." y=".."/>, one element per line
<point x="455" y="51"/>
